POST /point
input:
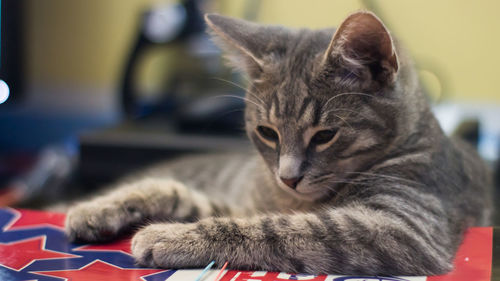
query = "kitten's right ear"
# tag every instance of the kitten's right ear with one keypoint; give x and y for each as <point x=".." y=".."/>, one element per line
<point x="242" y="41"/>
<point x="362" y="41"/>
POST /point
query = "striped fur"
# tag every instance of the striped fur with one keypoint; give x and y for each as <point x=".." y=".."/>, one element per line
<point x="389" y="194"/>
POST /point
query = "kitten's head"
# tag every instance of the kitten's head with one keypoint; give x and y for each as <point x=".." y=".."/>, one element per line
<point x="320" y="104"/>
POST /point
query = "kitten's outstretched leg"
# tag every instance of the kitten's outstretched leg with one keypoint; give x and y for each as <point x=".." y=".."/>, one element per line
<point x="137" y="203"/>
<point x="348" y="240"/>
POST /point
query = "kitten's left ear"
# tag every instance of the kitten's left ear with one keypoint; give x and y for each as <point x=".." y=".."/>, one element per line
<point x="247" y="45"/>
<point x="362" y="41"/>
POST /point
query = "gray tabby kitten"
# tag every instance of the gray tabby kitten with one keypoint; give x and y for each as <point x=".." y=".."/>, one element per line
<point x="353" y="174"/>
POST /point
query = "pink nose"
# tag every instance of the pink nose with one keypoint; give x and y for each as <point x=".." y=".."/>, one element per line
<point x="292" y="182"/>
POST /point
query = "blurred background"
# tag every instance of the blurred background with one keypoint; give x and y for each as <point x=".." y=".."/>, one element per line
<point x="91" y="90"/>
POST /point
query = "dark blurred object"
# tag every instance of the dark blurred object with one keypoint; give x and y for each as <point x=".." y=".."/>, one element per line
<point x="106" y="155"/>
<point x="477" y="124"/>
<point x="11" y="49"/>
<point x="469" y="130"/>
<point x="38" y="176"/>
<point x="162" y="25"/>
<point x="197" y="74"/>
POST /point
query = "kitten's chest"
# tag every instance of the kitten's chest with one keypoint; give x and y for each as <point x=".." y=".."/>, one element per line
<point x="276" y="200"/>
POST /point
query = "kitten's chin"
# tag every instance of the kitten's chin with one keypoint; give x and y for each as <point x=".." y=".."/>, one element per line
<point x="312" y="195"/>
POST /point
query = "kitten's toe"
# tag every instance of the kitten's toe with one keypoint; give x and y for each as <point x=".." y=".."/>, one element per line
<point x="142" y="246"/>
<point x="92" y="223"/>
<point x="167" y="246"/>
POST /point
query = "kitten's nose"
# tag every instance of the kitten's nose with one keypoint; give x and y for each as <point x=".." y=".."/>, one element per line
<point x="292" y="182"/>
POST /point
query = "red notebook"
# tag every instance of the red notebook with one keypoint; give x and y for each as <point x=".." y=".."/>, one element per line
<point x="33" y="247"/>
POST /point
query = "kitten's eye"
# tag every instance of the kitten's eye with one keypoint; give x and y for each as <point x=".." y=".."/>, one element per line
<point x="323" y="137"/>
<point x="268" y="133"/>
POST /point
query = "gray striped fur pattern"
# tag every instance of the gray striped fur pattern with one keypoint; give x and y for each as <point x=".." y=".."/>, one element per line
<point x="351" y="173"/>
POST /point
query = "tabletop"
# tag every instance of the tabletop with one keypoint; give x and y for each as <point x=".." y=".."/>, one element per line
<point x="33" y="247"/>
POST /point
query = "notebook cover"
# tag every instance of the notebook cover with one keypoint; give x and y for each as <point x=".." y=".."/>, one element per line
<point x="33" y="247"/>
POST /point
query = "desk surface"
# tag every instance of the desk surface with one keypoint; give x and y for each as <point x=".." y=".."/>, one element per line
<point x="33" y="247"/>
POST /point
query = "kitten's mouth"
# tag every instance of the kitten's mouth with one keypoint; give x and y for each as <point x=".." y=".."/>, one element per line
<point x="302" y="192"/>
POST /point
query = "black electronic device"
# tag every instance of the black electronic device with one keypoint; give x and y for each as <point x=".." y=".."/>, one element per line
<point x="11" y="51"/>
<point x="160" y="25"/>
<point x="198" y="94"/>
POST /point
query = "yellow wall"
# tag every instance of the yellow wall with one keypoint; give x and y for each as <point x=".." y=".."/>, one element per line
<point x="457" y="40"/>
<point x="83" y="42"/>
<point x="86" y="41"/>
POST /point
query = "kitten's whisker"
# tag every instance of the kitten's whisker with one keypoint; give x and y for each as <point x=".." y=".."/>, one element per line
<point x="380" y="175"/>
<point x="242" y="98"/>
<point x="230" y="82"/>
<point x="386" y="177"/>
<point x="324" y="178"/>
<point x="241" y="87"/>
<point x="331" y="188"/>
<point x="324" y="175"/>
<point x="343" y="119"/>
<point x="336" y="182"/>
<point x="345" y="94"/>
<point x="250" y="93"/>
<point x="327" y="178"/>
<point x="348" y="110"/>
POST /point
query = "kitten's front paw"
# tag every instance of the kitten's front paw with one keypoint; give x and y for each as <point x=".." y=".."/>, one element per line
<point x="94" y="221"/>
<point x="169" y="246"/>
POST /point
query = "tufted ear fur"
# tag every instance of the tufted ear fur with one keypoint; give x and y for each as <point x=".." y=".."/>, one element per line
<point x="363" y="42"/>
<point x="250" y="47"/>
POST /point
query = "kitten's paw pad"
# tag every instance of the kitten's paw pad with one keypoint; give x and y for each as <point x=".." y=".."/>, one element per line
<point x="166" y="245"/>
<point x="93" y="222"/>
